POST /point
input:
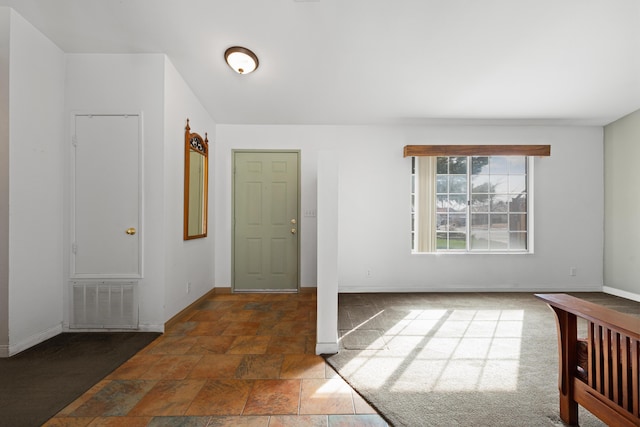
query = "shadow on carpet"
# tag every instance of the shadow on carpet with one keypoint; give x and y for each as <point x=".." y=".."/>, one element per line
<point x="439" y="359"/>
<point x="39" y="382"/>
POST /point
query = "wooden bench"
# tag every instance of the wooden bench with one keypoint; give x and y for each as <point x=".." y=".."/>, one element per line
<point x="607" y="382"/>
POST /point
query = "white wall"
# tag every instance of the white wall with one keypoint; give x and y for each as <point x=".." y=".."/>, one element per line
<point x="150" y="84"/>
<point x="187" y="261"/>
<point x="36" y="99"/>
<point x="374" y="203"/>
<point x="230" y="137"/>
<point x="129" y="84"/>
<point x="622" y="204"/>
<point x="4" y="180"/>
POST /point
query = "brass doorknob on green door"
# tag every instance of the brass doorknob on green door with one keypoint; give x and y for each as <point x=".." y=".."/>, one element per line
<point x="293" y="231"/>
<point x="293" y="221"/>
<point x="131" y="231"/>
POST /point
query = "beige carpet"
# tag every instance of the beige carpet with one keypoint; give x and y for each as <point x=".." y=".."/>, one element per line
<point x="438" y="359"/>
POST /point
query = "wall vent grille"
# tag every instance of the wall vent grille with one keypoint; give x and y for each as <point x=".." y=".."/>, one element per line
<point x="104" y="305"/>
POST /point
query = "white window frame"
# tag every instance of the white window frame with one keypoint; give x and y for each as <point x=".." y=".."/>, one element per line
<point x="415" y="212"/>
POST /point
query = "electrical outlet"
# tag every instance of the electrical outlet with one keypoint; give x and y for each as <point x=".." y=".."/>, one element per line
<point x="572" y="271"/>
<point x="188" y="287"/>
<point x="367" y="273"/>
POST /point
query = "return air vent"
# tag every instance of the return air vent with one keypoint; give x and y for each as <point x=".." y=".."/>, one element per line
<point x="104" y="305"/>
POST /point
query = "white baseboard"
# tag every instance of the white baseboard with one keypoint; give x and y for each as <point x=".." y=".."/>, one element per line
<point x="505" y="288"/>
<point x="34" y="339"/>
<point x="326" y="347"/>
<point x="151" y="328"/>
<point x="140" y="328"/>
<point x="620" y="293"/>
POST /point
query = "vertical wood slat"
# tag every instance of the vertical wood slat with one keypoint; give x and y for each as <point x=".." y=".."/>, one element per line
<point x="615" y="367"/>
<point x="606" y="361"/>
<point x="598" y="357"/>
<point x="635" y="374"/>
<point x="625" y="366"/>
<point x="591" y="357"/>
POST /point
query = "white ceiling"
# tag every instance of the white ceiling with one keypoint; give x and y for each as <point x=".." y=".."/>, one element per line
<point x="376" y="61"/>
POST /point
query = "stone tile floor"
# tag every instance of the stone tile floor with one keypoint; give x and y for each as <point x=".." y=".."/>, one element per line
<point x="234" y="360"/>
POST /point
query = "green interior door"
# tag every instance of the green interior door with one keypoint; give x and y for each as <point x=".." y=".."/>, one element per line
<point x="265" y="210"/>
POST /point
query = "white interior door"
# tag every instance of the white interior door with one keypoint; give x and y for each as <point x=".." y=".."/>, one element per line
<point x="266" y="221"/>
<point x="107" y="194"/>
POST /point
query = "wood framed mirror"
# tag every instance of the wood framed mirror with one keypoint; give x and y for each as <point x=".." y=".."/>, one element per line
<point x="196" y="177"/>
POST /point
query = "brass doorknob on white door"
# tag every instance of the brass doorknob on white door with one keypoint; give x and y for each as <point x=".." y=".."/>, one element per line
<point x="131" y="231"/>
<point x="293" y="231"/>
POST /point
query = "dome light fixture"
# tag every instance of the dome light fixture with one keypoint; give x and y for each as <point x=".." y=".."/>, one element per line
<point x="241" y="59"/>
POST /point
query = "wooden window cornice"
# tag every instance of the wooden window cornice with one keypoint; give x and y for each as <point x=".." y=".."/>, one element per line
<point x="477" y="150"/>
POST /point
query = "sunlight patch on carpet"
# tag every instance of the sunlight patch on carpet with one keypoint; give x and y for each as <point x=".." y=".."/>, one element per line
<point x="440" y="350"/>
<point x="381" y="363"/>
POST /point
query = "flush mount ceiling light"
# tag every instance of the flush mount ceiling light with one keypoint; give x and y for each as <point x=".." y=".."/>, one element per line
<point x="241" y="59"/>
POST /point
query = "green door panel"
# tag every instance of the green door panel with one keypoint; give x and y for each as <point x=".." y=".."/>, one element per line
<point x="265" y="191"/>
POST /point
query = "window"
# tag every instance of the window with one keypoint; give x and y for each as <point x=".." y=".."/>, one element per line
<point x="470" y="204"/>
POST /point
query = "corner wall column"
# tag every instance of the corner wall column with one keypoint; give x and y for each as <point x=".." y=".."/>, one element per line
<point x="328" y="196"/>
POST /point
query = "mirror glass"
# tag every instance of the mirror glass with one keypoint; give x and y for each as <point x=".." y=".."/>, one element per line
<point x="196" y="194"/>
<point x="195" y="185"/>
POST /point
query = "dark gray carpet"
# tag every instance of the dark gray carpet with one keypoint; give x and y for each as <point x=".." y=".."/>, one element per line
<point x="445" y="359"/>
<point x="39" y="382"/>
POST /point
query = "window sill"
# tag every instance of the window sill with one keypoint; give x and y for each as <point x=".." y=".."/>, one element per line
<point x="473" y="253"/>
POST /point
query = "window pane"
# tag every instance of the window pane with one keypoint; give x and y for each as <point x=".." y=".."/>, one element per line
<point x="480" y="203"/>
<point x="442" y="223"/>
<point x="479" y="165"/>
<point x="458" y="184"/>
<point x="443" y="165"/>
<point x="441" y="241"/>
<point x="498" y="240"/>
<point x="480" y="184"/>
<point x="442" y="203"/>
<point x="517" y="164"/>
<point x="458" y="203"/>
<point x="441" y="184"/>
<point x="498" y="165"/>
<point x="499" y="203"/>
<point x="518" y="241"/>
<point x="518" y="203"/>
<point x="457" y="241"/>
<point x="517" y="184"/>
<point x="499" y="183"/>
<point x="498" y="222"/>
<point x="518" y="222"/>
<point x="458" y="165"/>
<point x="457" y="222"/>
<point x="479" y="240"/>
<point x="479" y="222"/>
